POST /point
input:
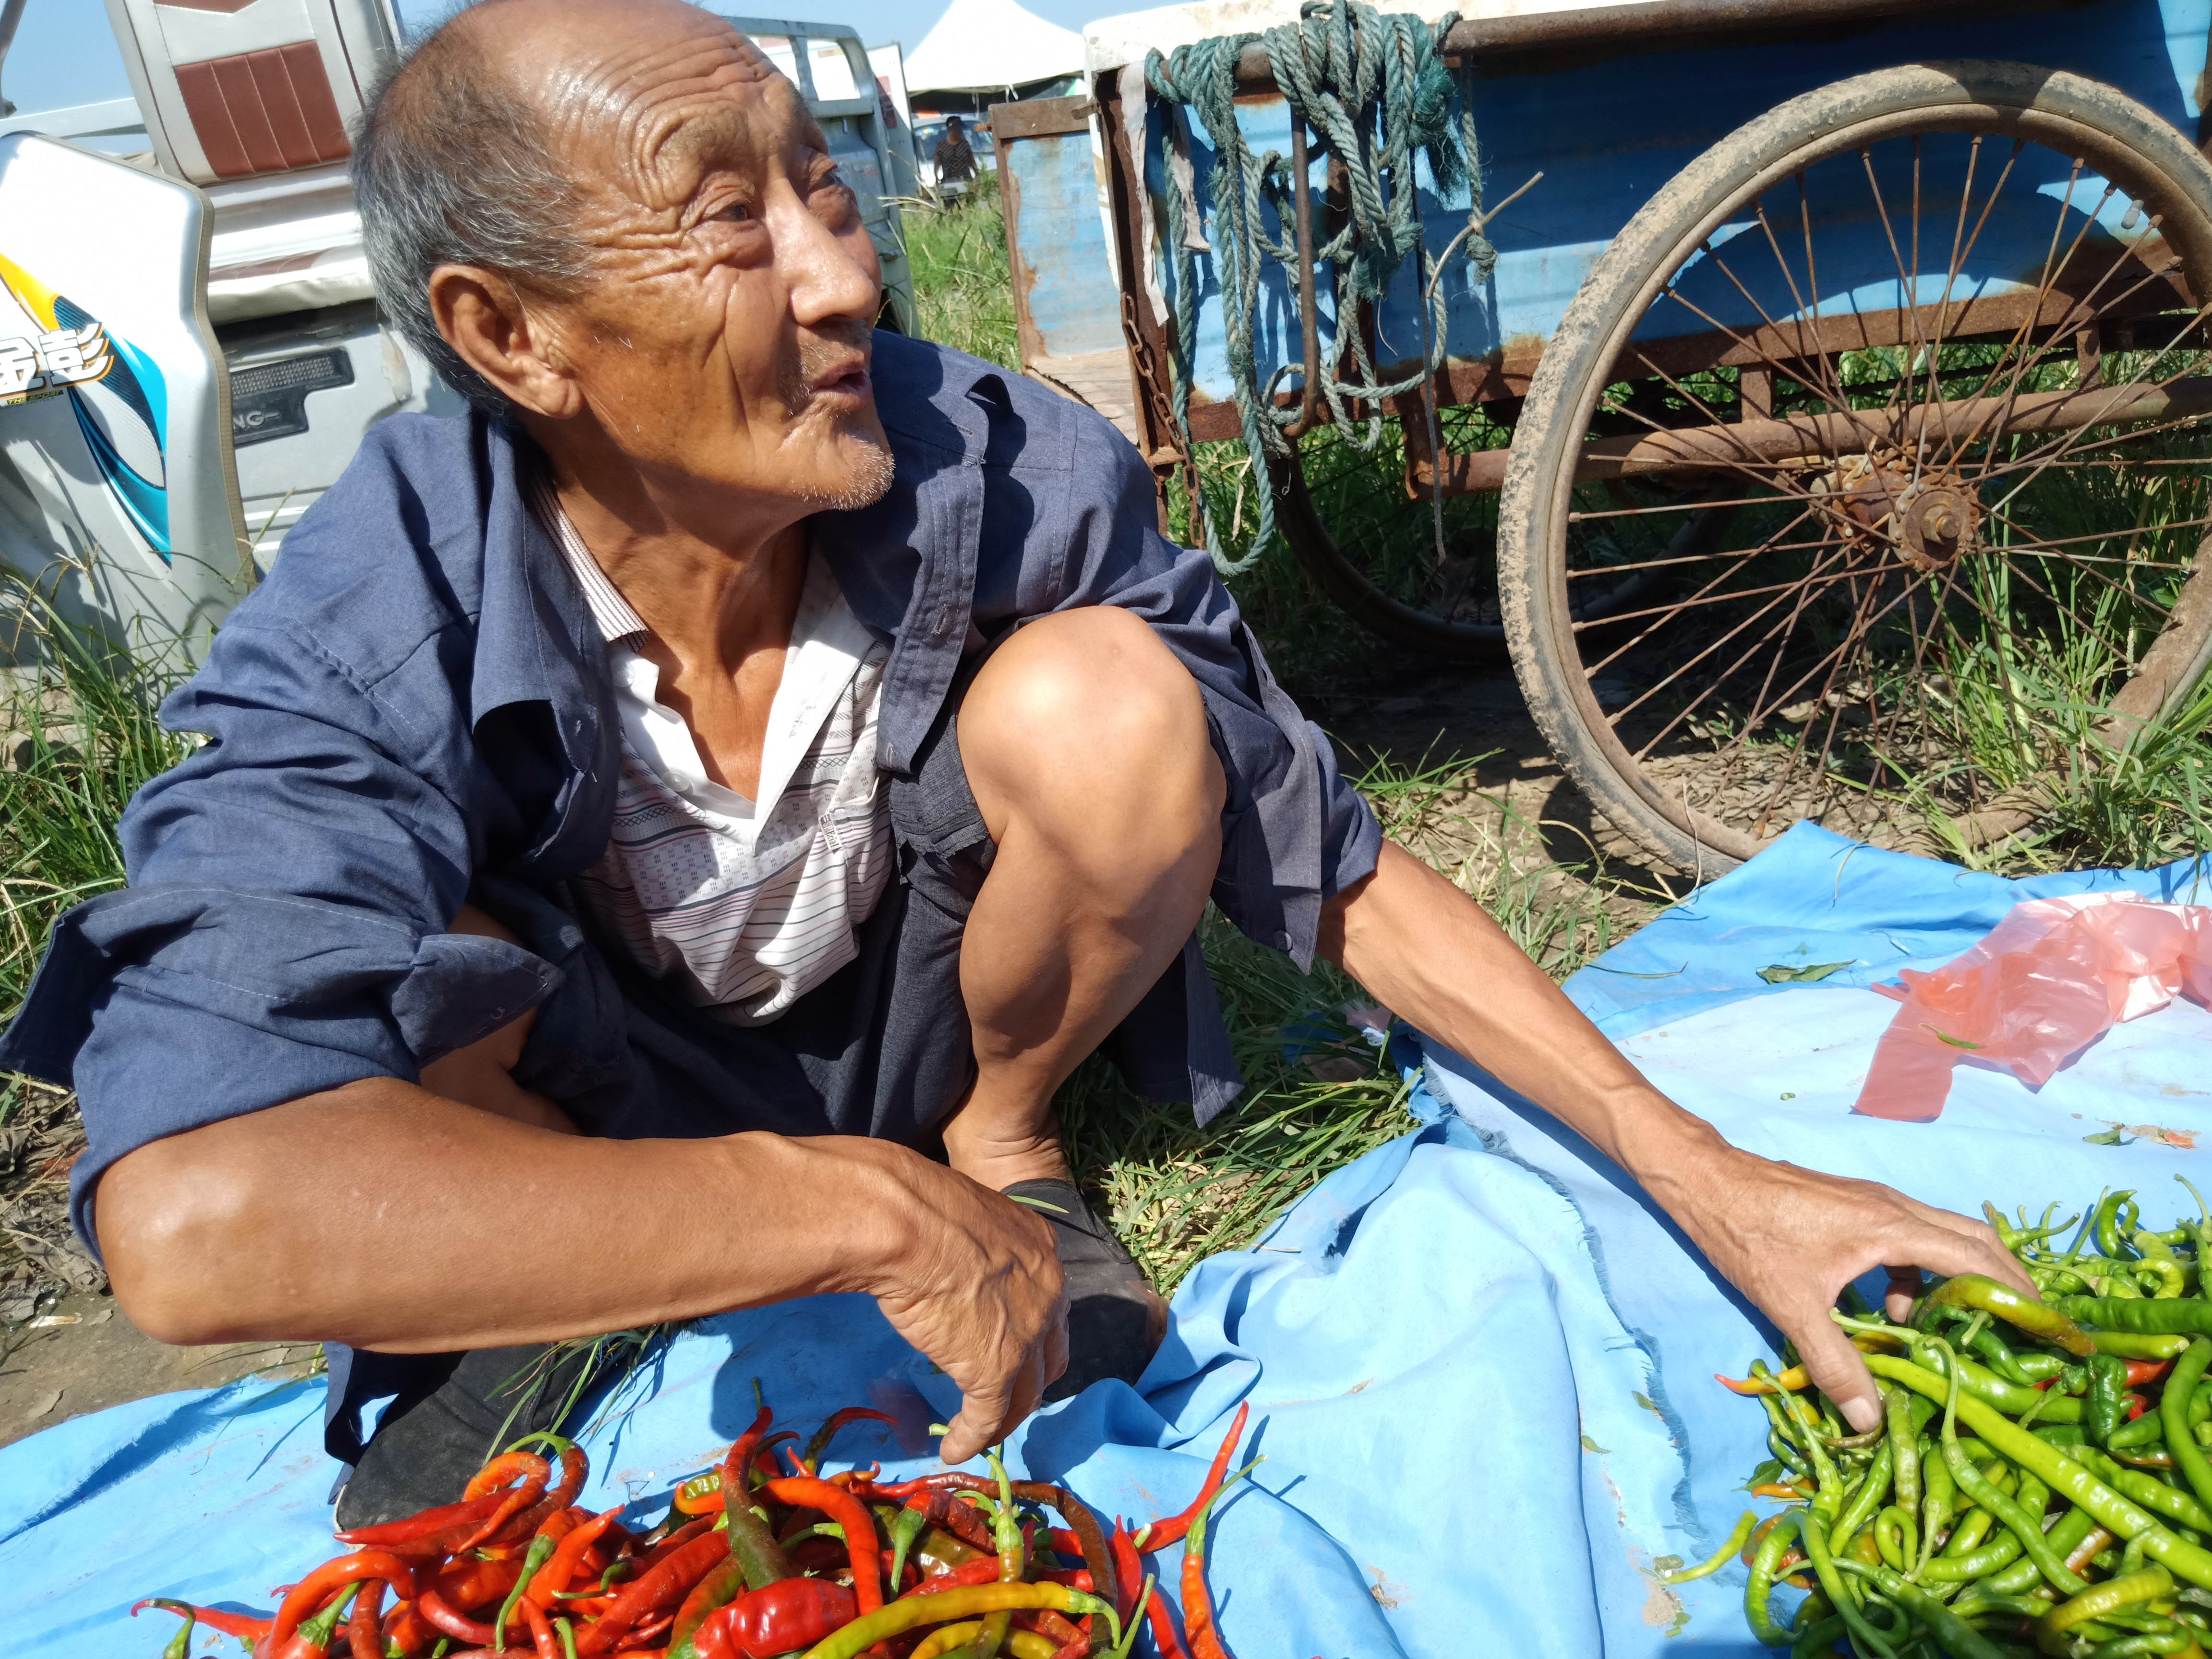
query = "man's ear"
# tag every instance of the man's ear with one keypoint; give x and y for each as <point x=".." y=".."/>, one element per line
<point x="483" y="318"/>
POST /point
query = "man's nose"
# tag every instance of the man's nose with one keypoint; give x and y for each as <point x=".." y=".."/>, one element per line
<point x="829" y="275"/>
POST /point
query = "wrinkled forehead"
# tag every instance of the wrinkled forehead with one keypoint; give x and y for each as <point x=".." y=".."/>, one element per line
<point x="646" y="118"/>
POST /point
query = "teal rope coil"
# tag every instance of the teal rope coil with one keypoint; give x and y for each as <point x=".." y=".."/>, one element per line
<point x="1374" y="88"/>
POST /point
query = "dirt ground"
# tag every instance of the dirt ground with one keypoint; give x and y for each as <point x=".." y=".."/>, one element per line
<point x="67" y="1349"/>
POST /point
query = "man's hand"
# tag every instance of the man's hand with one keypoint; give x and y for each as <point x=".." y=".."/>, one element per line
<point x="1791" y="1239"/>
<point x="978" y="1290"/>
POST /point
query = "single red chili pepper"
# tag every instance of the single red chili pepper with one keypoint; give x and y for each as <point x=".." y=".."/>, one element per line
<point x="575" y="1468"/>
<point x="675" y="1541"/>
<point x="2140" y="1372"/>
<point x="941" y="1508"/>
<point x="364" y="1626"/>
<point x="541" y="1631"/>
<point x="568" y="1558"/>
<point x="441" y="1615"/>
<point x="428" y="1520"/>
<point x="469" y="1584"/>
<point x="1063" y="1541"/>
<point x="1161" y="1533"/>
<point x="786" y="1616"/>
<point x="1128" y="1571"/>
<point x="1164" y="1631"/>
<point x="309" y="1593"/>
<point x="252" y="1628"/>
<point x="828" y="1432"/>
<point x="521" y="1477"/>
<point x="1197" y="1605"/>
<point x="1074" y="1649"/>
<point x="861" y="1544"/>
<point x="667" y="1582"/>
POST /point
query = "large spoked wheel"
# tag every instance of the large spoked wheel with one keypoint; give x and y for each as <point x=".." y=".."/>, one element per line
<point x="1934" y="337"/>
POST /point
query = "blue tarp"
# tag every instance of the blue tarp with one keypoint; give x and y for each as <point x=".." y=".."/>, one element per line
<point x="1480" y="1365"/>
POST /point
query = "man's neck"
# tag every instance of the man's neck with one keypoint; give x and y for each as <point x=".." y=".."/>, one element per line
<point x="718" y="589"/>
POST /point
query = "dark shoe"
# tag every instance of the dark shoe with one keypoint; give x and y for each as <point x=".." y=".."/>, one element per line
<point x="1114" y="1318"/>
<point x="425" y="1457"/>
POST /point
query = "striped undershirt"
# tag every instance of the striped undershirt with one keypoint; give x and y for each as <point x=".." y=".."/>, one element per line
<point x="744" y="905"/>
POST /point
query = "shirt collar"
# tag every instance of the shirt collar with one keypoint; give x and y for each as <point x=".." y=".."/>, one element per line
<point x="619" y="621"/>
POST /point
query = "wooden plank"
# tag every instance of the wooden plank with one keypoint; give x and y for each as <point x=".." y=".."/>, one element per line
<point x="1099" y="378"/>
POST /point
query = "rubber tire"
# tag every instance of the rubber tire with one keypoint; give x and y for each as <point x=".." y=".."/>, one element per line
<point x="1573" y="370"/>
<point x="1344" y="581"/>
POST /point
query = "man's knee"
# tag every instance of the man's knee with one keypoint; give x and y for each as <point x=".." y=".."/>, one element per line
<point x="1087" y="709"/>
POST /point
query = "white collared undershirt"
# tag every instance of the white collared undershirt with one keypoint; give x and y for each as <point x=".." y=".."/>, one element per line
<point x="744" y="905"/>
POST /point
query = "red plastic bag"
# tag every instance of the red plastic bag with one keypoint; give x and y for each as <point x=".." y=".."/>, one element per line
<point x="2049" y="980"/>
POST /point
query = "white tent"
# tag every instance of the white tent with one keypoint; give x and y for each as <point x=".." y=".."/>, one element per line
<point x="989" y="45"/>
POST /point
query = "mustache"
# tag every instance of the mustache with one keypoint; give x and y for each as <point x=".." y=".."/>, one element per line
<point x="827" y="345"/>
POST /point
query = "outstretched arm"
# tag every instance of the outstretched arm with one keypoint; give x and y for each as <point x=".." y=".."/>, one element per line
<point x="384" y="1216"/>
<point x="1790" y="1239"/>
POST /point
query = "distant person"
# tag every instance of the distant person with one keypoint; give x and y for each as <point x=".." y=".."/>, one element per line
<point x="956" y="162"/>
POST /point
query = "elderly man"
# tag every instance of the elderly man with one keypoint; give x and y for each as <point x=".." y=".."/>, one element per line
<point x="664" y="836"/>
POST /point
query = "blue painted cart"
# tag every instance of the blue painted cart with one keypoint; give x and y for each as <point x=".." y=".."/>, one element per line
<point x="1824" y="440"/>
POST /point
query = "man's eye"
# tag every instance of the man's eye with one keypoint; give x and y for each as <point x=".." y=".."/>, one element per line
<point x="832" y="180"/>
<point x="737" y="213"/>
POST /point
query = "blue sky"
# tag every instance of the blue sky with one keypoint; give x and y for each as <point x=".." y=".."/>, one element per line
<point x="65" y="55"/>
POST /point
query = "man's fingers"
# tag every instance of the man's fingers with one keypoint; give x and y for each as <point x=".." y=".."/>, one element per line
<point x="1904" y="1289"/>
<point x="1940" y="1250"/>
<point x="1838" y="1371"/>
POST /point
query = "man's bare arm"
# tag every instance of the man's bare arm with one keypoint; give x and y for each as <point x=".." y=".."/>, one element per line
<point x="1791" y="1238"/>
<point x="384" y="1217"/>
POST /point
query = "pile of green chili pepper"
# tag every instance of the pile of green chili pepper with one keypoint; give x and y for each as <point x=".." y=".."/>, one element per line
<point x="831" y="1566"/>
<point x="2039" y="1483"/>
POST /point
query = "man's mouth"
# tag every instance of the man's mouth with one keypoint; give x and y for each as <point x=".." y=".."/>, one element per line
<point x="846" y="379"/>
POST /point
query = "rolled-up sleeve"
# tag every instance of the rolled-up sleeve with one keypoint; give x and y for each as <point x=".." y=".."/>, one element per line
<point x="284" y="929"/>
<point x="1295" y="833"/>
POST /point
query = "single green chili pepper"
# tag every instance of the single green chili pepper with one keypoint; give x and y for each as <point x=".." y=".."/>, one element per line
<point x="1720" y="1557"/>
<point x="2148" y="1430"/>
<point x="2173" y="1641"/>
<point x="1860" y="1508"/>
<point x="2039" y="1319"/>
<point x="2115" y="1219"/>
<point x="2165" y="1316"/>
<point x="1936" y="1504"/>
<point x="902" y="1528"/>
<point x="1951" y="1633"/>
<point x="2173" y="1411"/>
<point x="2023" y="1574"/>
<point x="1759" y="1588"/>
<point x="2130" y="1345"/>
<point x="2151" y="1585"/>
<point x="180" y="1645"/>
<point x="2042" y="1367"/>
<point x="1995" y="1556"/>
<point x="2000" y="1357"/>
<point x="1816" y="1639"/>
<point x="1904" y="1446"/>
<point x="1896" y="1537"/>
<point x="2107" y="1401"/>
<point x="2152" y="1493"/>
<point x="2161" y="1264"/>
<point x="2068" y="1479"/>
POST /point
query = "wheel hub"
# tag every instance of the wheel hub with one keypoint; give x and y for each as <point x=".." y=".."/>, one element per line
<point x="1929" y="515"/>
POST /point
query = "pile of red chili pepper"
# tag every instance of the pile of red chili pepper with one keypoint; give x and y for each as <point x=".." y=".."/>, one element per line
<point x="834" y="1566"/>
<point x="2040" y="1482"/>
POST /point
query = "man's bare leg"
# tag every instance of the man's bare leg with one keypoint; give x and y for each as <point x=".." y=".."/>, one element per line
<point x="1084" y="741"/>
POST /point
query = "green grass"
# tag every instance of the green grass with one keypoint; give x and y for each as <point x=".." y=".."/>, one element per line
<point x="963" y="294"/>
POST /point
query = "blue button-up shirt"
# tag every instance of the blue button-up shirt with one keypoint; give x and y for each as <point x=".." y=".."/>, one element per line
<point x="418" y="698"/>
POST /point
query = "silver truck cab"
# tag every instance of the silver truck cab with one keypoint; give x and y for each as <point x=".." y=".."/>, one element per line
<point x="190" y="347"/>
